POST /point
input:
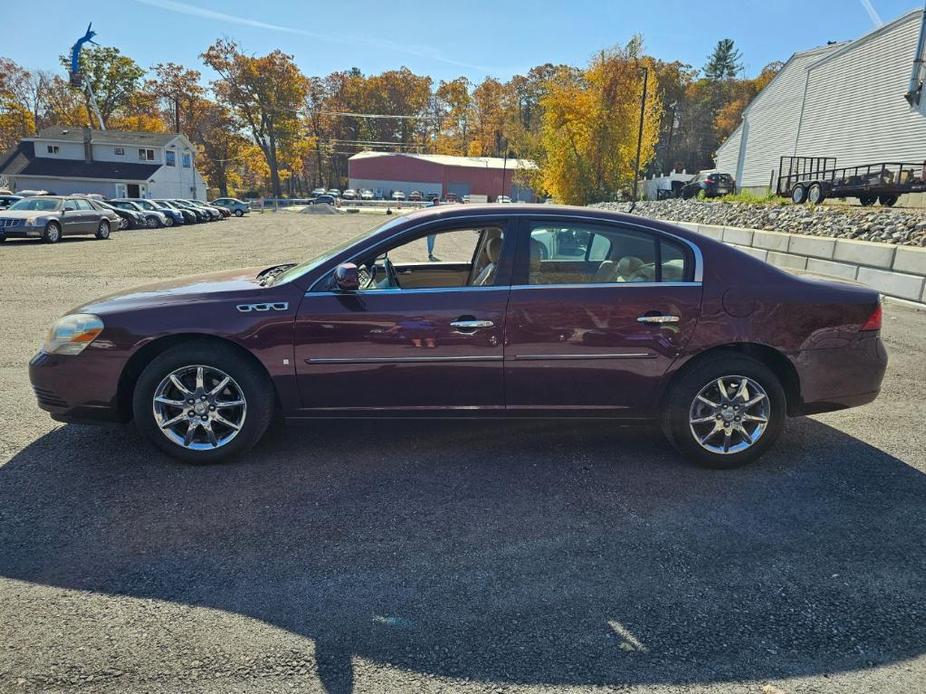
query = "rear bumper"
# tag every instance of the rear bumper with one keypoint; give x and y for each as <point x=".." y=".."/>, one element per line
<point x="838" y="378"/>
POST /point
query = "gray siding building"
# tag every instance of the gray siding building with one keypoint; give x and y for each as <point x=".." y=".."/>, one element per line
<point x="843" y="100"/>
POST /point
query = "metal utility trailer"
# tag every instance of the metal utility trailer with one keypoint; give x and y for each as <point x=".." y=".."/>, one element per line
<point x="813" y="179"/>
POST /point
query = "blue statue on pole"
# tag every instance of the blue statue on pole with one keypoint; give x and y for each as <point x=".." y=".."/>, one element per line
<point x="75" y="54"/>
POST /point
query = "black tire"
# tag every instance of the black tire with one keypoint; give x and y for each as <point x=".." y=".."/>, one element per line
<point x="52" y="233"/>
<point x="103" y="230"/>
<point x="168" y="221"/>
<point x="798" y="194"/>
<point x="2" y="238"/>
<point x="867" y="200"/>
<point x="887" y="200"/>
<point x="239" y="213"/>
<point x="253" y="381"/>
<point x="678" y="402"/>
<point x="815" y="194"/>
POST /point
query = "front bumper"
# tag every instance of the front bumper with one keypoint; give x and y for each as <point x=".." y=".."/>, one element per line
<point x="80" y="388"/>
<point x="838" y="378"/>
<point x="21" y="232"/>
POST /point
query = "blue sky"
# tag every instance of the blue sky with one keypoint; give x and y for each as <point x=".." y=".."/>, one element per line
<point x="472" y="37"/>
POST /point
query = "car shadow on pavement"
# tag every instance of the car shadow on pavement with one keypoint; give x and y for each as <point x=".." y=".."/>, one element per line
<point x="524" y="552"/>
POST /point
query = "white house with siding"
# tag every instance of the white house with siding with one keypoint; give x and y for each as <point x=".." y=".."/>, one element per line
<point x="842" y="100"/>
<point x="113" y="163"/>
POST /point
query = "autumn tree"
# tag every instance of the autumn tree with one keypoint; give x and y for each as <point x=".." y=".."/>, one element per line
<point x="178" y="90"/>
<point x="16" y="120"/>
<point x="453" y="106"/>
<point x="113" y="77"/>
<point x="266" y="93"/>
<point x="589" y="127"/>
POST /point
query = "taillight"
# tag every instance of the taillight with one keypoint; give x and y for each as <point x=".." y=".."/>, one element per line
<point x="874" y="320"/>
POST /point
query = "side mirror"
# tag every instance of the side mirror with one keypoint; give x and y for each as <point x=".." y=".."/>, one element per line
<point x="347" y="277"/>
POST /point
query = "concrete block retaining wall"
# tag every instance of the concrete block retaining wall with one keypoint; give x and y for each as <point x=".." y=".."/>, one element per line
<point x="895" y="271"/>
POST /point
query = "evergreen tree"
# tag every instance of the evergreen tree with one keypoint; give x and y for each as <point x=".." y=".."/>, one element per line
<point x="725" y="62"/>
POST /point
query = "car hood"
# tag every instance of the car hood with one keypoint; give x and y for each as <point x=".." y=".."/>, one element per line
<point x="198" y="288"/>
<point x="27" y="214"/>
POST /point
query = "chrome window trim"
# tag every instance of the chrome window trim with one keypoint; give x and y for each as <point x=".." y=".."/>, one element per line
<point x="400" y="291"/>
<point x="697" y="277"/>
<point x="599" y="285"/>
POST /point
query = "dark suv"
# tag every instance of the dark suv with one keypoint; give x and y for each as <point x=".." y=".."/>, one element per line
<point x="713" y="183"/>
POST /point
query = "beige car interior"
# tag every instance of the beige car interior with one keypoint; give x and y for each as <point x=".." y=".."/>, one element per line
<point x="616" y="268"/>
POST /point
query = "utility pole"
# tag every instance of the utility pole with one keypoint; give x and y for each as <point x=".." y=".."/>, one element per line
<point x="636" y="166"/>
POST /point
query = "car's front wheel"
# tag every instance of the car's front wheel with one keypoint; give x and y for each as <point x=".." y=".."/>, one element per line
<point x="725" y="412"/>
<point x="102" y="231"/>
<point x="203" y="403"/>
<point x="52" y="233"/>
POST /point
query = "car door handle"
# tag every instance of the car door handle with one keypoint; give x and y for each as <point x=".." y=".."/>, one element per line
<point x="658" y="320"/>
<point x="472" y="324"/>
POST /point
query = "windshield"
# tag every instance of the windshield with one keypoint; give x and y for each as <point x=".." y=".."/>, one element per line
<point x="309" y="265"/>
<point x="40" y="204"/>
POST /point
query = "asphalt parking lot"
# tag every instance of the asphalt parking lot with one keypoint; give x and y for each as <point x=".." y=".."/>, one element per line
<point x="438" y="556"/>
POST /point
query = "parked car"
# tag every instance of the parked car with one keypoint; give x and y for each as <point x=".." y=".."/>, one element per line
<point x="189" y="216"/>
<point x="366" y="194"/>
<point x="504" y="199"/>
<point x="415" y="196"/>
<point x="652" y="322"/>
<point x="334" y="192"/>
<point x="7" y="200"/>
<point x="349" y="194"/>
<point x="451" y="197"/>
<point x="323" y="199"/>
<point x="319" y="191"/>
<point x="398" y="195"/>
<point x="713" y="183"/>
<point x="237" y="207"/>
<point x="215" y="213"/>
<point x="124" y="219"/>
<point x="201" y="215"/>
<point x="49" y="217"/>
<point x="150" y="218"/>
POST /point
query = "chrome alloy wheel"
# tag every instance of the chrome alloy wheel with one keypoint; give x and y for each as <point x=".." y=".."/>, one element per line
<point x="199" y="407"/>
<point x="729" y="414"/>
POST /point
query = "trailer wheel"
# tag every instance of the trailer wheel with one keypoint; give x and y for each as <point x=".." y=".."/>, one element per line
<point x="798" y="194"/>
<point x="887" y="200"/>
<point x="815" y="194"/>
<point x="867" y="200"/>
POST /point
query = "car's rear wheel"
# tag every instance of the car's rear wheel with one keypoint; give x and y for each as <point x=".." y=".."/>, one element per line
<point x="102" y="231"/>
<point x="239" y="213"/>
<point x="52" y="233"/>
<point x="203" y="403"/>
<point x="725" y="412"/>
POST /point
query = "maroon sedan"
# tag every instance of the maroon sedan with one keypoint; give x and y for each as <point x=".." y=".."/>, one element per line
<point x="530" y="311"/>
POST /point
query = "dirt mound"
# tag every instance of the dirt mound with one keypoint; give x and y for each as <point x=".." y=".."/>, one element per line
<point x="321" y="208"/>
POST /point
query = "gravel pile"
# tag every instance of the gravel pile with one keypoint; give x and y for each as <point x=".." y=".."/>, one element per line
<point x="903" y="227"/>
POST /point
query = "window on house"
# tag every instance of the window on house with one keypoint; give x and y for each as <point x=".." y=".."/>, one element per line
<point x="120" y="151"/>
<point x="170" y="158"/>
<point x="52" y="149"/>
<point x="187" y="161"/>
<point x="146" y="154"/>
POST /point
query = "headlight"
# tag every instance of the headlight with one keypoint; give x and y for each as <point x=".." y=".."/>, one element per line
<point x="71" y="334"/>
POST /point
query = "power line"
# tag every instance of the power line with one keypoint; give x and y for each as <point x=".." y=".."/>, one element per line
<point x="379" y="115"/>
